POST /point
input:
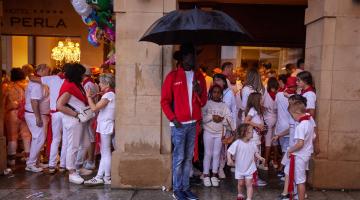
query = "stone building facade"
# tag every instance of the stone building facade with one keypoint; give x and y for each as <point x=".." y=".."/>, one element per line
<point x="332" y="54"/>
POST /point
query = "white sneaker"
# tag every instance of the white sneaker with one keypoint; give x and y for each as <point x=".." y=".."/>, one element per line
<point x="94" y="181"/>
<point x="262" y="167"/>
<point x="222" y="174"/>
<point x="33" y="169"/>
<point x="42" y="165"/>
<point x="89" y="165"/>
<point x="215" y="181"/>
<point x="207" y="182"/>
<point x="107" y="181"/>
<point x="75" y="178"/>
<point x="85" y="172"/>
<point x="260" y="183"/>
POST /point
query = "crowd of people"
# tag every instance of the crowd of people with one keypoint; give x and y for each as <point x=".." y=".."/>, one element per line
<point x="268" y="120"/>
<point x="70" y="106"/>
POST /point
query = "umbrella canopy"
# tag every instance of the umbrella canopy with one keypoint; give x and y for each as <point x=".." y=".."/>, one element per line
<point x="196" y="27"/>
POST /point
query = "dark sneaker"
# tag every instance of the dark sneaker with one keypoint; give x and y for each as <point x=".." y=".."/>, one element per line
<point x="179" y="195"/>
<point x="280" y="174"/>
<point x="284" y="197"/>
<point x="190" y="196"/>
<point x="195" y="180"/>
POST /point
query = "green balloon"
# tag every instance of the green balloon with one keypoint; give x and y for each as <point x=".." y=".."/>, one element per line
<point x="100" y="4"/>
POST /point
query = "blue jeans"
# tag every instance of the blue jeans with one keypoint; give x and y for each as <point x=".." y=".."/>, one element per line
<point x="183" y="140"/>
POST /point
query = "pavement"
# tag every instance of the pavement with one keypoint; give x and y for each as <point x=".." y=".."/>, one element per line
<point x="42" y="186"/>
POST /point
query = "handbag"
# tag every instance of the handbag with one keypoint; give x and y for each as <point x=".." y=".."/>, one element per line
<point x="84" y="115"/>
<point x="265" y="130"/>
<point x="228" y="139"/>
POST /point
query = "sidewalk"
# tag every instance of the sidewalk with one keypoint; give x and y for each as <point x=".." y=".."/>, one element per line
<point x="55" y="187"/>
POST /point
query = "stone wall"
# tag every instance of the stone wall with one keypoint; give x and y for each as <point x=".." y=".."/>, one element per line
<point x="142" y="158"/>
<point x="333" y="56"/>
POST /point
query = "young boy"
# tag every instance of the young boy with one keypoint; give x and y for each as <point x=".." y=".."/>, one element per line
<point x="301" y="151"/>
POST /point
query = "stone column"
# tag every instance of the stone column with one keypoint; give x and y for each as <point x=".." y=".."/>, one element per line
<point x="142" y="158"/>
<point x="333" y="56"/>
<point x="2" y="133"/>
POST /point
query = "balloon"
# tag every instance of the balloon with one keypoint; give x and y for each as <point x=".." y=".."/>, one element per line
<point x="93" y="38"/>
<point x="100" y="4"/>
<point x="109" y="34"/>
<point x="104" y="19"/>
<point x="81" y="7"/>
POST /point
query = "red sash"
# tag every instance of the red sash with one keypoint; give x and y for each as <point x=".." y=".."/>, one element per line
<point x="196" y="146"/>
<point x="309" y="89"/>
<point x="291" y="176"/>
<point x="49" y="134"/>
<point x="272" y="95"/>
<point x="87" y="80"/>
<point x="74" y="90"/>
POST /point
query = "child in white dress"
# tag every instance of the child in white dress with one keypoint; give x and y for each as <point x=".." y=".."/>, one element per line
<point x="243" y="151"/>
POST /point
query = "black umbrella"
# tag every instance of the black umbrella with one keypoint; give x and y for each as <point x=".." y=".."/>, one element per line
<point x="197" y="27"/>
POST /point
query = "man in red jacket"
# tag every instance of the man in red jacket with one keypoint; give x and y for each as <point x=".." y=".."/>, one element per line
<point x="183" y="94"/>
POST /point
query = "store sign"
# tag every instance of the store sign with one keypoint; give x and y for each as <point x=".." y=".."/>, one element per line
<point x="41" y="17"/>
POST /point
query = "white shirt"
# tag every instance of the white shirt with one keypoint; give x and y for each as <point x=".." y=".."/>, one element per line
<point x="216" y="108"/>
<point x="189" y="83"/>
<point x="270" y="106"/>
<point x="93" y="88"/>
<point x="230" y="101"/>
<point x="244" y="154"/>
<point x="54" y="83"/>
<point x="310" y="99"/>
<point x="283" y="115"/>
<point x="305" y="131"/>
<point x="35" y="91"/>
<point x="246" y="91"/>
<point x="292" y="126"/>
<point x="255" y="118"/>
<point x="106" y="117"/>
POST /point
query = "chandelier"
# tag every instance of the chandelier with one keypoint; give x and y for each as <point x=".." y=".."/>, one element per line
<point x="66" y="52"/>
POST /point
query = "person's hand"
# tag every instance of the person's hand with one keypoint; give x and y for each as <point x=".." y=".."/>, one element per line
<point x="262" y="159"/>
<point x="177" y="123"/>
<point x="217" y="118"/>
<point x="230" y="162"/>
<point x="261" y="127"/>
<point x="196" y="88"/>
<point x="275" y="138"/>
<point x="89" y="93"/>
<point x="39" y="122"/>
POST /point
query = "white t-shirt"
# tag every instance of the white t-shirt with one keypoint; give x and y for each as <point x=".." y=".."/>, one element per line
<point x="305" y="131"/>
<point x="230" y="101"/>
<point x="54" y="83"/>
<point x="36" y="92"/>
<point x="270" y="106"/>
<point x="311" y="99"/>
<point x="258" y="119"/>
<point x="189" y="83"/>
<point x="292" y="126"/>
<point x="216" y="108"/>
<point x="245" y="92"/>
<point x="283" y="115"/>
<point x="106" y="117"/>
<point x="244" y="154"/>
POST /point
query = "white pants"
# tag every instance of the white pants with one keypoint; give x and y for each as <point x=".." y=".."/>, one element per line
<point x="74" y="132"/>
<point x="87" y="138"/>
<point x="212" y="148"/>
<point x="105" y="162"/>
<point x="270" y="121"/>
<point x="38" y="136"/>
<point x="56" y="126"/>
<point x="301" y="164"/>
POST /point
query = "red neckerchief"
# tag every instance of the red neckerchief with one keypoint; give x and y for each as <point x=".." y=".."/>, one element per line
<point x="290" y="91"/>
<point x="74" y="90"/>
<point x="272" y="94"/>
<point x="281" y="89"/>
<point x="309" y="89"/>
<point x="87" y="80"/>
<point x="307" y="116"/>
<point x="61" y="75"/>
